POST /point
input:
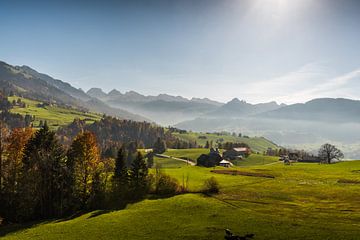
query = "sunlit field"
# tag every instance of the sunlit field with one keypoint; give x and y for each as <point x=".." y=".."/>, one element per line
<point x="288" y="206"/>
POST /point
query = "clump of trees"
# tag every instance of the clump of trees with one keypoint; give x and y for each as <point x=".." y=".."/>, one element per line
<point x="111" y="131"/>
<point x="40" y="178"/>
<point x="209" y="160"/>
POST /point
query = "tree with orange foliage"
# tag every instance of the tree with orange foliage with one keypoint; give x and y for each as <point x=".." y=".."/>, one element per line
<point x="83" y="160"/>
<point x="11" y="167"/>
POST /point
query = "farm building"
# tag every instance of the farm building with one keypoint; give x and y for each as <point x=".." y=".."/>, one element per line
<point x="236" y="153"/>
<point x="225" y="163"/>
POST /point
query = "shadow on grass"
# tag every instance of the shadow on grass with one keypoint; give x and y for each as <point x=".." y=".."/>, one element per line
<point x="11" y="228"/>
<point x="19" y="227"/>
<point x="99" y="213"/>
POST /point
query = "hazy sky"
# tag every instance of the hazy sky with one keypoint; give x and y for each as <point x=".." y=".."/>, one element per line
<point x="257" y="50"/>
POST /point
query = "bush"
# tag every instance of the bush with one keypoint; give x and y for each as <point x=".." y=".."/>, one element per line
<point x="211" y="185"/>
<point x="165" y="184"/>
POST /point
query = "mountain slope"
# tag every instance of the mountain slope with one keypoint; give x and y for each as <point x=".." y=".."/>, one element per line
<point x="163" y="108"/>
<point x="237" y="108"/>
<point x="323" y="109"/>
<point x="29" y="83"/>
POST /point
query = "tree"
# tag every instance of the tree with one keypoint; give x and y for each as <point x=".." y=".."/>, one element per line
<point x="42" y="184"/>
<point x="139" y="177"/>
<point x="121" y="171"/>
<point x="328" y="153"/>
<point x="12" y="166"/>
<point x="84" y="158"/>
<point x="3" y="136"/>
<point x="150" y="159"/>
<point x="120" y="181"/>
<point x="159" y="146"/>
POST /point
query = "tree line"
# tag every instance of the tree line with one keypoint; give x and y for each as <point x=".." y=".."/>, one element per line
<point x="41" y="178"/>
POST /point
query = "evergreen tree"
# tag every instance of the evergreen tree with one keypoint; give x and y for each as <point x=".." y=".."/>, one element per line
<point x="139" y="177"/>
<point x="159" y="146"/>
<point x="120" y="181"/>
<point x="150" y="159"/>
<point x="42" y="184"/>
<point x="121" y="171"/>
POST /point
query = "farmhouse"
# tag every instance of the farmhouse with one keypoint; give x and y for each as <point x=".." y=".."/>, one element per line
<point x="236" y="153"/>
<point x="225" y="163"/>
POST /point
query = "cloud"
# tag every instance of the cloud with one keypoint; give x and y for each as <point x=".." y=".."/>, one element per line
<point x="343" y="86"/>
<point x="310" y="81"/>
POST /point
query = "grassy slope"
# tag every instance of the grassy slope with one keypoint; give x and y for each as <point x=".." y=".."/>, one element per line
<point x="55" y="116"/>
<point x="257" y="144"/>
<point x="194" y="153"/>
<point x="304" y="201"/>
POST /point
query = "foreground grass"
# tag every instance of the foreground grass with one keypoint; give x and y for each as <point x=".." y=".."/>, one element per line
<point x="303" y="201"/>
<point x="54" y="115"/>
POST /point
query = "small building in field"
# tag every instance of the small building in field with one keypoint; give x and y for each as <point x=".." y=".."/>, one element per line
<point x="225" y="163"/>
<point x="236" y="153"/>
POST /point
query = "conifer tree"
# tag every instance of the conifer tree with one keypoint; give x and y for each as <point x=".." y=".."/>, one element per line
<point x="139" y="177"/>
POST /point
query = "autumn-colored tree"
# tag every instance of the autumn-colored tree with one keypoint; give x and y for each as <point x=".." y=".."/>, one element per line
<point x="12" y="166"/>
<point x="3" y="137"/>
<point x="83" y="159"/>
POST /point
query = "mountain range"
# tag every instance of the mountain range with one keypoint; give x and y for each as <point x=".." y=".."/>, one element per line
<point x="313" y="122"/>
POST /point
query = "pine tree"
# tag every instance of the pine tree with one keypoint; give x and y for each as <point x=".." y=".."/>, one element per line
<point x="139" y="177"/>
<point x="159" y="146"/>
<point x="121" y="171"/>
<point x="42" y="177"/>
<point x="120" y="181"/>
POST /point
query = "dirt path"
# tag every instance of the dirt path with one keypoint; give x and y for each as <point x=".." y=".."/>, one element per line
<point x="178" y="159"/>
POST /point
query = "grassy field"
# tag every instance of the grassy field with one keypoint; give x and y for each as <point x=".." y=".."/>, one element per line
<point x="256" y="159"/>
<point x="257" y="144"/>
<point x="194" y="153"/>
<point x="303" y="201"/>
<point x="54" y="115"/>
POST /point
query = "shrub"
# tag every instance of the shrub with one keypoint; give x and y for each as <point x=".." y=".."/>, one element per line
<point x="211" y="185"/>
<point x="167" y="185"/>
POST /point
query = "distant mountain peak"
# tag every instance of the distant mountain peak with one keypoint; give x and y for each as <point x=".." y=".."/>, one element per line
<point x="114" y="92"/>
<point x="236" y="101"/>
<point x="96" y="92"/>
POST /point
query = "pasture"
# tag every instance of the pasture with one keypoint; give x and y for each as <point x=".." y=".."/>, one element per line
<point x="303" y="201"/>
<point x="54" y="115"/>
<point x="257" y="144"/>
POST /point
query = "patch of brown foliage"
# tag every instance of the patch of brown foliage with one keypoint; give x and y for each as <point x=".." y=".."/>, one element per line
<point x="249" y="174"/>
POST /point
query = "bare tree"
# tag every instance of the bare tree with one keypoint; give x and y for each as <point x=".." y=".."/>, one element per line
<point x="328" y="153"/>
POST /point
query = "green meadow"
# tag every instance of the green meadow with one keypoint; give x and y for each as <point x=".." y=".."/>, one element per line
<point x="257" y="144"/>
<point x="54" y="115"/>
<point x="302" y="201"/>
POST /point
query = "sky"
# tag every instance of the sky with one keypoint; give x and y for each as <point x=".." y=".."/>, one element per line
<point x="256" y="50"/>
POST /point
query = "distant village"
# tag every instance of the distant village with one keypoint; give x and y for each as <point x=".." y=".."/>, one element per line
<point x="228" y="157"/>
